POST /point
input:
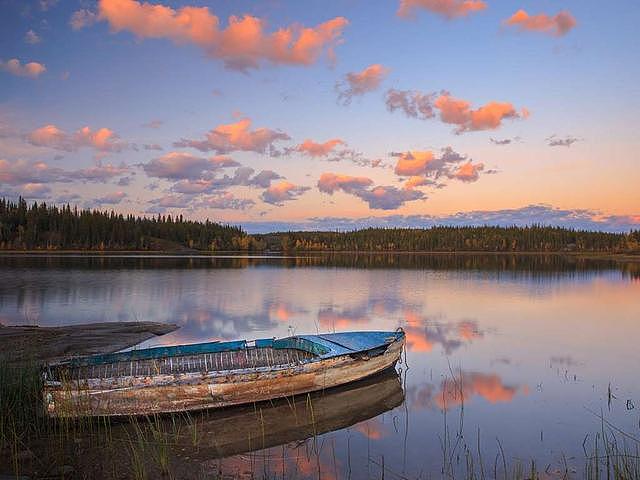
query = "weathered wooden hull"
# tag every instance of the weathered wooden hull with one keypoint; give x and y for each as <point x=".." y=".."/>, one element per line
<point x="145" y="395"/>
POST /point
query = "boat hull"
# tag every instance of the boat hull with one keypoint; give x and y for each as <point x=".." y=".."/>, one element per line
<point x="148" y="395"/>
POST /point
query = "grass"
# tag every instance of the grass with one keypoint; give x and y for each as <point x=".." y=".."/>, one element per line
<point x="161" y="446"/>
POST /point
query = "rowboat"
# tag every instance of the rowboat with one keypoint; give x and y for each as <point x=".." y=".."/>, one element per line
<point x="215" y="374"/>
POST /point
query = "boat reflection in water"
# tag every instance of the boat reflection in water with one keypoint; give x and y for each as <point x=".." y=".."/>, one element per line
<point x="228" y="432"/>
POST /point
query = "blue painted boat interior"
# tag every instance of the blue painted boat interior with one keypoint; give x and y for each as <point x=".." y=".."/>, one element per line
<point x="322" y="346"/>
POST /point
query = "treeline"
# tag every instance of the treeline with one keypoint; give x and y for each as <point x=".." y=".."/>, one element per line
<point x="47" y="227"/>
<point x="452" y="239"/>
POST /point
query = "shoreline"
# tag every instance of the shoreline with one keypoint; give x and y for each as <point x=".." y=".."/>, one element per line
<point x="631" y="257"/>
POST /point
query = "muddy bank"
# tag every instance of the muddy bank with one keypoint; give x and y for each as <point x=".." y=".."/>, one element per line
<point x="33" y="343"/>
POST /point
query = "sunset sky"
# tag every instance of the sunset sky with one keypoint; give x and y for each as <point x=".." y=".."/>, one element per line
<point x="316" y="114"/>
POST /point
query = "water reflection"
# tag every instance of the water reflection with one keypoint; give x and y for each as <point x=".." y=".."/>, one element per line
<point x="522" y="345"/>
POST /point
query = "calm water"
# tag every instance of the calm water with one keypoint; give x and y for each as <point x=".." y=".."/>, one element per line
<point x="533" y="342"/>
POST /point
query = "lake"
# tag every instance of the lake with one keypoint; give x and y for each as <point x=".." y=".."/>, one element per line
<point x="509" y="359"/>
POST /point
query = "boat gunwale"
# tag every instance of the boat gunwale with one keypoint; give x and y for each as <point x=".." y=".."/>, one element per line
<point x="199" y="375"/>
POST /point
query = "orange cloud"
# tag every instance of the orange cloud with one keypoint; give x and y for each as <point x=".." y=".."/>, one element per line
<point x="331" y="182"/>
<point x="446" y="8"/>
<point x="470" y="384"/>
<point x="414" y="163"/>
<point x="416" y="340"/>
<point x="31" y="69"/>
<point x="359" y="83"/>
<point x="558" y="24"/>
<point x="487" y="117"/>
<point x="468" y="172"/>
<point x="236" y="136"/>
<point x="417" y="181"/>
<point x="314" y="149"/>
<point x="242" y="44"/>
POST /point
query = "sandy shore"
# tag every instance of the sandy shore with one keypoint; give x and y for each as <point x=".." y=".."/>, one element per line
<point x="33" y="343"/>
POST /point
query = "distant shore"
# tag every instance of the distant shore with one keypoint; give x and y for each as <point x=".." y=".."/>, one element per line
<point x="632" y="257"/>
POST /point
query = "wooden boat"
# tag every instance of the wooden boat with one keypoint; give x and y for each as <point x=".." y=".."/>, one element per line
<point x="215" y="374"/>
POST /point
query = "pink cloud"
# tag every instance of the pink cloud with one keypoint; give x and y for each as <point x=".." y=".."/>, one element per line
<point x="314" y="149"/>
<point x="378" y="197"/>
<point x="102" y="139"/>
<point x="31" y="69"/>
<point x="282" y="192"/>
<point x="100" y="173"/>
<point x="241" y="45"/>
<point x="446" y="8"/>
<point x="359" y="83"/>
<point x="331" y="182"/>
<point x="111" y="198"/>
<point x="236" y="137"/>
<point x="183" y="165"/>
<point x="558" y="24"/>
<point x="21" y="172"/>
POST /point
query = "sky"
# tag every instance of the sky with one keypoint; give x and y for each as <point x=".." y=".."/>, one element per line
<point x="280" y="115"/>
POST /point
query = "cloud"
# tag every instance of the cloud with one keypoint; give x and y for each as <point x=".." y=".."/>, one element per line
<point x="554" y="141"/>
<point x="243" y="44"/>
<point x="152" y="146"/>
<point x="282" y="192"/>
<point x="35" y="190"/>
<point x="426" y="163"/>
<point x="236" y="137"/>
<point x="102" y="139"/>
<point x="358" y="83"/>
<point x="378" y="197"/>
<point x="31" y="69"/>
<point x="22" y="172"/>
<point x="313" y="149"/>
<point x="452" y="110"/>
<point x="110" y="198"/>
<point x="332" y="182"/>
<point x="558" y="24"/>
<point x="185" y="166"/>
<point x="504" y="141"/>
<point x="468" y="172"/>
<point x="32" y="37"/>
<point x="243" y="176"/>
<point x="388" y="198"/>
<point x="445" y="8"/>
<point x="83" y="18"/>
<point x="547" y="215"/>
<point x="417" y="181"/>
<point x="153" y="124"/>
<point x="487" y="117"/>
<point x="413" y="103"/>
<point x="225" y="201"/>
<point x="99" y="173"/>
<point x="470" y="384"/>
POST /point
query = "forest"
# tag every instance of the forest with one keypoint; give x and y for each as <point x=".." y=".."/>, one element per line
<point x="39" y="226"/>
<point x="47" y="227"/>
